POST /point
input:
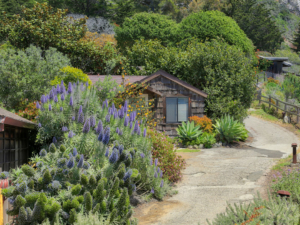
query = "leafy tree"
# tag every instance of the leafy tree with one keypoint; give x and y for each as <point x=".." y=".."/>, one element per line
<point x="212" y="24"/>
<point x="46" y="27"/>
<point x="145" y="26"/>
<point x="221" y="70"/>
<point x="26" y="75"/>
<point x="108" y="88"/>
<point x="122" y="10"/>
<point x="255" y="20"/>
<point x="12" y="7"/>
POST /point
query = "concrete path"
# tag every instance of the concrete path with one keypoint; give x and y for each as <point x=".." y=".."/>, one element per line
<point x="270" y="136"/>
<point x="219" y="175"/>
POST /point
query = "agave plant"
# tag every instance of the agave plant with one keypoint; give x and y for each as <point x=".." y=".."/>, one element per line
<point x="188" y="131"/>
<point x="230" y="130"/>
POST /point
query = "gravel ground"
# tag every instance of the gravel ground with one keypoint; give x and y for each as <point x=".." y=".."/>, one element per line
<point x="215" y="176"/>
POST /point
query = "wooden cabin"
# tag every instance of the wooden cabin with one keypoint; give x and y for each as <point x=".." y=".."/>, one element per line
<point x="175" y="100"/>
<point x="14" y="140"/>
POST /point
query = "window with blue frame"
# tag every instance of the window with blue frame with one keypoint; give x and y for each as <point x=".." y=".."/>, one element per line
<point x="177" y="109"/>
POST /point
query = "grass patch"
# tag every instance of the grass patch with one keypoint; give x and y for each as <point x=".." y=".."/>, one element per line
<point x="188" y="150"/>
<point x="262" y="114"/>
<point x="281" y="163"/>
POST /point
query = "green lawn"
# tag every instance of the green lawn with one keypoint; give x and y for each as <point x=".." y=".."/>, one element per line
<point x="263" y="115"/>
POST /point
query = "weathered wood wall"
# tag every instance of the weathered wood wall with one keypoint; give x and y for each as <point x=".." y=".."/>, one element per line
<point x="171" y="89"/>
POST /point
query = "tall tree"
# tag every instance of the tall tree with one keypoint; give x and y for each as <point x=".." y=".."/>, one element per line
<point x="255" y="20"/>
<point x="12" y="7"/>
<point x="296" y="41"/>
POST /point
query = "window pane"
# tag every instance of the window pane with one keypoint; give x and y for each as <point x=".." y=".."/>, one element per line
<point x="1" y="144"/>
<point x="171" y="110"/>
<point x="6" y="144"/>
<point x="183" y="109"/>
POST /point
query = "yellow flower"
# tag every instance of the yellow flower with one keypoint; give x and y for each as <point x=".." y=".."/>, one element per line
<point x="127" y="114"/>
<point x="150" y="103"/>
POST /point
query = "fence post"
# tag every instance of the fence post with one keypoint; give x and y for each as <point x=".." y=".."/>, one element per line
<point x="297" y="115"/>
<point x="269" y="101"/>
<point x="284" y="107"/>
<point x="277" y="105"/>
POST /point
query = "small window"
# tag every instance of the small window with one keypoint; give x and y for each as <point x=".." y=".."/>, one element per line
<point x="177" y="110"/>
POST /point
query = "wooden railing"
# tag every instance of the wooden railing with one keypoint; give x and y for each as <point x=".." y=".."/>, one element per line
<point x="290" y="109"/>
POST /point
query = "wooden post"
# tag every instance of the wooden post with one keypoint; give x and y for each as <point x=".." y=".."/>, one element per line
<point x="284" y="107"/>
<point x="277" y="105"/>
<point x="269" y="101"/>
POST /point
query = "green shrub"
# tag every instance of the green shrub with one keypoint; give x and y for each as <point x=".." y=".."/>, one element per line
<point x="48" y="27"/>
<point x="188" y="131"/>
<point x="230" y="130"/>
<point x="71" y="74"/>
<point x="208" y="140"/>
<point x="26" y="75"/>
<point x="108" y="89"/>
<point x="163" y="151"/>
<point x="289" y="182"/>
<point x="145" y="26"/>
<point x="212" y="24"/>
<point x="220" y="70"/>
<point x="272" y="211"/>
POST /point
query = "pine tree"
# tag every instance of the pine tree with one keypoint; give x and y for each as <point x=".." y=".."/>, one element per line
<point x="255" y="20"/>
<point x="296" y="41"/>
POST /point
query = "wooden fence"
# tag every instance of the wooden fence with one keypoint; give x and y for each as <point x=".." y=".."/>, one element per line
<point x="292" y="110"/>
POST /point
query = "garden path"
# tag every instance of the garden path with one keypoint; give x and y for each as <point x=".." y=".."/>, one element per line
<point x="215" y="176"/>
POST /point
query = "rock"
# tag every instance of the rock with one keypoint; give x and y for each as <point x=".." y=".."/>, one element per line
<point x="201" y="146"/>
<point x="286" y="119"/>
<point x="136" y="199"/>
<point x="195" y="146"/>
<point x="190" y="147"/>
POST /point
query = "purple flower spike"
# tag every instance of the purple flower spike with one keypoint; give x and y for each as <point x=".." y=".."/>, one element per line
<point x="121" y="149"/>
<point x="142" y="155"/>
<point x="114" y="157"/>
<point x="100" y="137"/>
<point x="103" y="105"/>
<point x="39" y="125"/>
<point x="139" y="131"/>
<point x="107" y="152"/>
<point x="71" y="134"/>
<point x="121" y="113"/>
<point x="55" y="99"/>
<point x="126" y="121"/>
<point x="82" y="88"/>
<point x="86" y="126"/>
<point x="99" y="128"/>
<point x="51" y="95"/>
<point x="62" y="97"/>
<point x="73" y="118"/>
<point x="161" y="174"/>
<point x="80" y="162"/>
<point x="106" y="103"/>
<point x="125" y="108"/>
<point x="61" y="109"/>
<point x="116" y="114"/>
<point x="62" y="87"/>
<point x="145" y="132"/>
<point x="75" y="152"/>
<point x="106" y="136"/>
<point x="136" y="127"/>
<point x="71" y="101"/>
<point x="70" y="163"/>
<point x="50" y="107"/>
<point x="87" y="84"/>
<point x="127" y="175"/>
<point x="80" y="109"/>
<point x="156" y="161"/>
<point x="54" y="140"/>
<point x="64" y="129"/>
<point x="107" y="118"/>
<point x="130" y="125"/>
<point x="152" y="191"/>
<point x="155" y="174"/>
<point x="37" y="105"/>
<point x="57" y="89"/>
<point x="161" y="183"/>
<point x="113" y="106"/>
<point x="81" y="118"/>
<point x="92" y="121"/>
<point x="70" y="88"/>
<point x="43" y="99"/>
<point x="117" y="130"/>
<point x="120" y="132"/>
